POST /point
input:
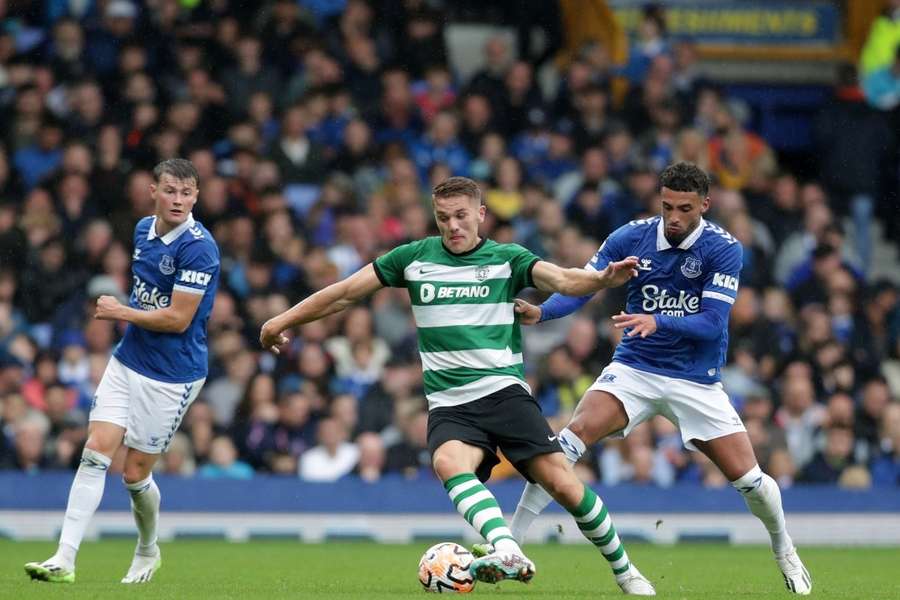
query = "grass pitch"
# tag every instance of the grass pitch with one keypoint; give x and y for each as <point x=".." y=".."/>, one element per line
<point x="271" y="570"/>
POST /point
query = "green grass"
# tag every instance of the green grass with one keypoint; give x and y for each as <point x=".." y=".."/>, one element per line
<point x="278" y="569"/>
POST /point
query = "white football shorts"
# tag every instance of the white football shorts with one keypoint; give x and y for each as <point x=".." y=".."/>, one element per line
<point x="699" y="411"/>
<point x="149" y="410"/>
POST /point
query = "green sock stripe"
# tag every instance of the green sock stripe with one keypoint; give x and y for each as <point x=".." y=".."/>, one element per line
<point x="621" y="570"/>
<point x="604" y="540"/>
<point x="469" y="492"/>
<point x="504" y="537"/>
<point x="615" y="554"/>
<point x="586" y="504"/>
<point x="491" y="525"/>
<point x="458" y="479"/>
<point x="592" y="525"/>
<point x="478" y="507"/>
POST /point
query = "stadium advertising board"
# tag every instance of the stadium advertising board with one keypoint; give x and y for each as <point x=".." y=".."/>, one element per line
<point x="746" y="23"/>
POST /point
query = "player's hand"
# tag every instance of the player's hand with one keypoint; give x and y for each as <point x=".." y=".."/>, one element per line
<point x="108" y="309"/>
<point x="642" y="325"/>
<point x="529" y="314"/>
<point x="619" y="272"/>
<point x="271" y="337"/>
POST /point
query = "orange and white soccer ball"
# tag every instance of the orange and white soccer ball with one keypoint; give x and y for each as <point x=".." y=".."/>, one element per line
<point x="445" y="568"/>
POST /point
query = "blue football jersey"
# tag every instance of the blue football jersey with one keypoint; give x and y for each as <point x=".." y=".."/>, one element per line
<point x="185" y="260"/>
<point x="690" y="288"/>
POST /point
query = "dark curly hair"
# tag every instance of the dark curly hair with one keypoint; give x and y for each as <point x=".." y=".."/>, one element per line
<point x="685" y="177"/>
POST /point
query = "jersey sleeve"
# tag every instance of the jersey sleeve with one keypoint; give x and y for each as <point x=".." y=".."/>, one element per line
<point x="389" y="267"/>
<point x="723" y="278"/>
<point x="198" y="264"/>
<point x="615" y="247"/>
<point x="521" y="263"/>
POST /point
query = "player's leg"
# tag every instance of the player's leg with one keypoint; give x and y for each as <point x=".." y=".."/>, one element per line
<point x="555" y="474"/>
<point x="618" y="401"/>
<point x="108" y="419"/>
<point x="145" y="499"/>
<point x="734" y="456"/>
<point x="597" y="415"/>
<point x="456" y="464"/>
<point x="709" y="423"/>
<point x="157" y="409"/>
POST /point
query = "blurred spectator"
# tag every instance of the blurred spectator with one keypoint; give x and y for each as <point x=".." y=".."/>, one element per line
<point x="886" y="467"/>
<point x="333" y="458"/>
<point x="882" y="86"/>
<point x="737" y="157"/>
<point x="409" y="455"/>
<point x="828" y="464"/>
<point x="223" y="462"/>
<point x="178" y="458"/>
<point x="884" y="37"/>
<point x="635" y="460"/>
<point x="650" y="42"/>
<point x="800" y="415"/>
<point x="371" y="457"/>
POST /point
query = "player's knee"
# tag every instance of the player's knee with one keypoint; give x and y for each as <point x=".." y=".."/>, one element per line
<point x="589" y="430"/>
<point x="98" y="444"/>
<point x="445" y="465"/>
<point x="135" y="473"/>
<point x="564" y="486"/>
<point x="136" y="469"/>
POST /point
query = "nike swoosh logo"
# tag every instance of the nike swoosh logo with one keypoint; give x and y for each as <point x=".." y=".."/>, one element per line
<point x="550" y="438"/>
<point x="424" y="272"/>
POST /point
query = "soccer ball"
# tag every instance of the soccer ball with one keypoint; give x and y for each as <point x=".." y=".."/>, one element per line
<point x="445" y="568"/>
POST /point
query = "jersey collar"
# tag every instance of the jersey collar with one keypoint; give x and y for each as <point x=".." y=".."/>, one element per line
<point x="663" y="244"/>
<point x="172" y="235"/>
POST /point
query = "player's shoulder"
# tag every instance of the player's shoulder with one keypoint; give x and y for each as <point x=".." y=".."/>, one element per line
<point x="142" y="227"/>
<point x="198" y="239"/>
<point x="717" y="236"/>
<point x="414" y="249"/>
<point x="505" y="249"/>
<point x="717" y="240"/>
<point x="636" y="230"/>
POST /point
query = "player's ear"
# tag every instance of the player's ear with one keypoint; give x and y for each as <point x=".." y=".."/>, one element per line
<point x="704" y="205"/>
<point x="482" y="210"/>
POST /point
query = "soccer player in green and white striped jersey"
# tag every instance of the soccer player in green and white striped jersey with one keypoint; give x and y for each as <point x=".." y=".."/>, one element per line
<point x="463" y="289"/>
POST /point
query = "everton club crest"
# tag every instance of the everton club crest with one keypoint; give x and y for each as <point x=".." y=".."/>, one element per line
<point x="167" y="265"/>
<point x="691" y="267"/>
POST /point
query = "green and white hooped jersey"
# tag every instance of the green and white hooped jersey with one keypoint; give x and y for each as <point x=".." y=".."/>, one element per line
<point x="469" y="337"/>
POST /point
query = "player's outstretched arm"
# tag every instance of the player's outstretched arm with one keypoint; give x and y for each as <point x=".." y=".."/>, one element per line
<point x="334" y="298"/>
<point x="174" y="318"/>
<point x="580" y="282"/>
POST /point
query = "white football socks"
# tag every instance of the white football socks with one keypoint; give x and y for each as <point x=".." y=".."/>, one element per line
<point x="84" y="498"/>
<point x="145" y="500"/>
<point x="763" y="498"/>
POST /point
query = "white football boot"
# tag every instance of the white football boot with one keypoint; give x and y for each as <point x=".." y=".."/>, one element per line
<point x="796" y="577"/>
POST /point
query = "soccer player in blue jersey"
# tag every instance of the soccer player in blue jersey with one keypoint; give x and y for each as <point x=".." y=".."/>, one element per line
<point x="674" y="345"/>
<point x="155" y="372"/>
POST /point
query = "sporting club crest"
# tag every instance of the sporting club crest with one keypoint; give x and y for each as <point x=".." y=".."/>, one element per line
<point x="481" y="273"/>
<point x="167" y="265"/>
<point x="691" y="267"/>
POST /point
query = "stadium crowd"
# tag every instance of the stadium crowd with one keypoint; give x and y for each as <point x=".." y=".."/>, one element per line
<point x="318" y="133"/>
